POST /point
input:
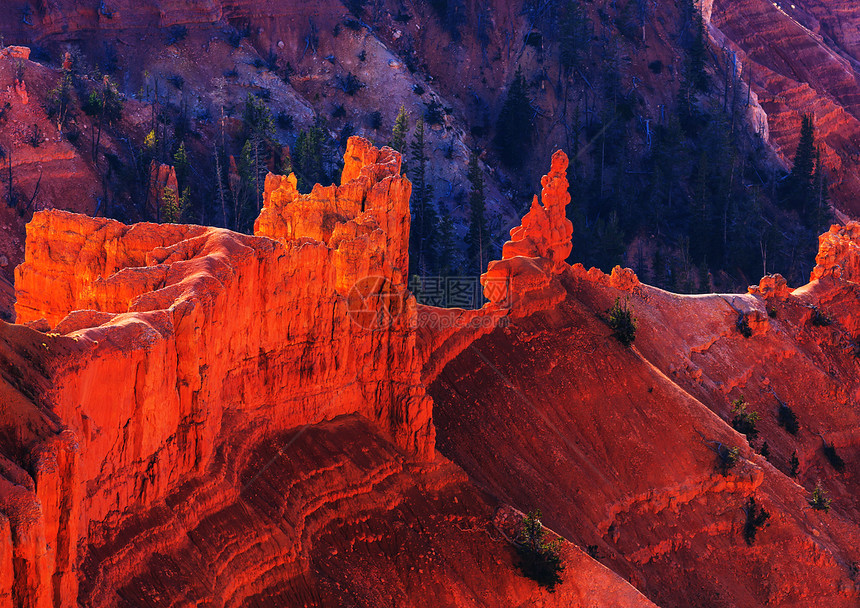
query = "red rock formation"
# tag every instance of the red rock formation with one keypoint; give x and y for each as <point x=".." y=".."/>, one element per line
<point x="839" y="254"/>
<point x="538" y="247"/>
<point x="190" y="324"/>
<point x="545" y="231"/>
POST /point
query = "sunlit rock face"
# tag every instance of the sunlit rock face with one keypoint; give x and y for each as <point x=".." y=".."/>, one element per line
<point x="181" y="329"/>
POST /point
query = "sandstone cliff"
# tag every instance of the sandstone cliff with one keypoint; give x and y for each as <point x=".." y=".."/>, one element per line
<point x="181" y="329"/>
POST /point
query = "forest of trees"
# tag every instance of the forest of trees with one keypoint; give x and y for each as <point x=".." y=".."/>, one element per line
<point x="685" y="193"/>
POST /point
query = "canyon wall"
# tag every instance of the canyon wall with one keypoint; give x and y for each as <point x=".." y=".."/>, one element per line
<point x="176" y="325"/>
<point x="803" y="59"/>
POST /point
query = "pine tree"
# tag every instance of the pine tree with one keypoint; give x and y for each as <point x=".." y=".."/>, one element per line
<point x="794" y="464"/>
<point x="819" y="216"/>
<point x="575" y="32"/>
<point x="478" y="236"/>
<point x="447" y="245"/>
<point x="424" y="220"/>
<point x="798" y="185"/>
<point x="401" y="128"/>
<point x="515" y="124"/>
<point x="698" y="53"/>
<point x="308" y="158"/>
<point x="180" y="163"/>
<point x="259" y="128"/>
<point x="173" y="207"/>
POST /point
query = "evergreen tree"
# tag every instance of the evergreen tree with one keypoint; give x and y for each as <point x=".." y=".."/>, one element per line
<point x="173" y="207"/>
<point x="247" y="193"/>
<point x="694" y="40"/>
<point x="60" y="97"/>
<point x="798" y="185"/>
<point x="515" y="124"/>
<point x="794" y="464"/>
<point x="259" y="128"/>
<point x="180" y="163"/>
<point x="478" y="236"/>
<point x="698" y="53"/>
<point x="401" y="128"/>
<point x="447" y="245"/>
<point x="820" y="216"/>
<point x="424" y="221"/>
<point x="308" y="158"/>
<point x="574" y="33"/>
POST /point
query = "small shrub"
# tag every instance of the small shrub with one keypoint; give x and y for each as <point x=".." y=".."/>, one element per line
<point x="656" y="66"/>
<point x="787" y="419"/>
<point x="771" y="312"/>
<point x="36" y="138"/>
<point x="362" y="55"/>
<point x="743" y="326"/>
<point x="350" y="84"/>
<point x="203" y="114"/>
<point x="833" y="458"/>
<point x="592" y="551"/>
<point x="433" y="113"/>
<point x="820" y="501"/>
<point x="353" y="25"/>
<point x="177" y="81"/>
<point x="793" y="464"/>
<point x="540" y="559"/>
<point x="338" y="112"/>
<point x="533" y="39"/>
<point x="72" y="135"/>
<point x="765" y="450"/>
<point x="727" y="458"/>
<point x="92" y="104"/>
<point x="258" y="63"/>
<point x="744" y="420"/>
<point x="234" y="73"/>
<point x="622" y="322"/>
<point x="235" y="35"/>
<point x="756" y="519"/>
<point x="374" y="120"/>
<point x="176" y="33"/>
<point x="355" y="7"/>
<point x="417" y="89"/>
<point x="285" y="121"/>
<point x="819" y="318"/>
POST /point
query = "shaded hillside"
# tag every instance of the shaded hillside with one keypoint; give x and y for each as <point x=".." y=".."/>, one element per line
<point x="675" y="173"/>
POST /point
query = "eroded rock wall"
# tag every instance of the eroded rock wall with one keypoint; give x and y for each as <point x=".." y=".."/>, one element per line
<point x="180" y="324"/>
